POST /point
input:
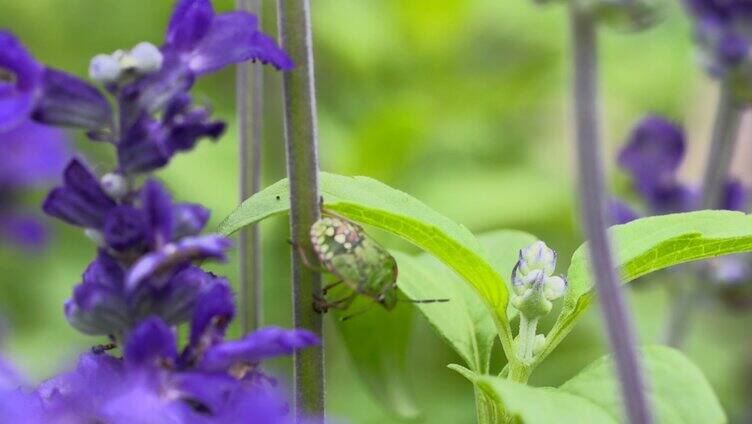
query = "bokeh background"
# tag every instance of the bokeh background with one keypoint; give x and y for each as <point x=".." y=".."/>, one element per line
<point x="461" y="103"/>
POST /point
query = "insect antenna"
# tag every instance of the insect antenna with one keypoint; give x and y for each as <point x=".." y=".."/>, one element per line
<point x="423" y="300"/>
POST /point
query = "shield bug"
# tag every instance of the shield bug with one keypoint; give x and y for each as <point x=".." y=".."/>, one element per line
<point x="356" y="260"/>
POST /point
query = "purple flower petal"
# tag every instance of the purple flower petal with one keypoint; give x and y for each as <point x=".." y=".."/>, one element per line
<point x="214" y="310"/>
<point x="81" y="200"/>
<point x="672" y="199"/>
<point x="189" y="219"/>
<point x="97" y="310"/>
<point x="125" y="228"/>
<point x="157" y="206"/>
<point x="263" y="344"/>
<point x="174" y="254"/>
<point x="69" y="101"/>
<point x="189" y="23"/>
<point x="621" y="213"/>
<point x="653" y="154"/>
<point x="19" y="77"/>
<point x="234" y="38"/>
<point x="31" y="154"/>
<point x="150" y="343"/>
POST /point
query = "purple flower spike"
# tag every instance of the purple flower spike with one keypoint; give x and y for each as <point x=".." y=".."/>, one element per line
<point x="173" y="254"/>
<point x="81" y="200"/>
<point x="205" y="42"/>
<point x="19" y="77"/>
<point x="150" y="344"/>
<point x="31" y="154"/>
<point x="263" y="344"/>
<point x="654" y="152"/>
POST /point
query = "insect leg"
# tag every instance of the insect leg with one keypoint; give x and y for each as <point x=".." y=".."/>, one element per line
<point x="304" y="257"/>
<point x="328" y="287"/>
<point x="355" y="314"/>
<point x="321" y="305"/>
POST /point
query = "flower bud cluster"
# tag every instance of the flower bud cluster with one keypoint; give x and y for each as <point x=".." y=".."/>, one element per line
<point x="142" y="59"/>
<point x="533" y="281"/>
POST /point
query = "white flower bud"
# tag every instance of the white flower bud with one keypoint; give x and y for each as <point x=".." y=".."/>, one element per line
<point x="115" y="185"/>
<point x="554" y="287"/>
<point x="104" y="68"/>
<point x="145" y="58"/>
<point x="537" y="256"/>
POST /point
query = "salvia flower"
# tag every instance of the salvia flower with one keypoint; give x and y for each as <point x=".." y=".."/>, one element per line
<point x="654" y="152"/>
<point x="533" y="281"/>
<point x="652" y="156"/>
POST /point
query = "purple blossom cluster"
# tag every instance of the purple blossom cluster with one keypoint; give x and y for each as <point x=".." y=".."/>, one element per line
<point x="722" y="30"/>
<point x="652" y="156"/>
<point x="144" y="281"/>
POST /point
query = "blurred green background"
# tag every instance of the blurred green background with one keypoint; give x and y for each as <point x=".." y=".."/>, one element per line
<point x="461" y="103"/>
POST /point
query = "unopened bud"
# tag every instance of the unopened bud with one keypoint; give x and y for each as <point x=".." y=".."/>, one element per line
<point x="115" y="185"/>
<point x="146" y="58"/>
<point x="534" y="284"/>
<point x="104" y="68"/>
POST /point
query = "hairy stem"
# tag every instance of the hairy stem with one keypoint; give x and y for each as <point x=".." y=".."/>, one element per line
<point x="249" y="101"/>
<point x="526" y="339"/>
<point x="301" y="139"/>
<point x="722" y="146"/>
<point x="592" y="198"/>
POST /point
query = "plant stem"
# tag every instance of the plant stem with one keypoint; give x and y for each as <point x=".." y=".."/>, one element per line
<point x="301" y="139"/>
<point x="526" y="339"/>
<point x="249" y="105"/>
<point x="592" y="189"/>
<point x="722" y="145"/>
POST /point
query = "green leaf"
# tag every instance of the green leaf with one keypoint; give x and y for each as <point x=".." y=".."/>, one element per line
<point x="463" y="321"/>
<point x="650" y="244"/>
<point x="678" y="391"/>
<point x="370" y="202"/>
<point x="377" y="343"/>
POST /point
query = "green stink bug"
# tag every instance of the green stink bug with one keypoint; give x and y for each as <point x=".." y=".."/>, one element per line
<point x="346" y="251"/>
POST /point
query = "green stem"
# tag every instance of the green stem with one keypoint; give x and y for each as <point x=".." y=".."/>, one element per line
<point x="302" y="170"/>
<point x="485" y="409"/>
<point x="249" y="105"/>
<point x="526" y="339"/>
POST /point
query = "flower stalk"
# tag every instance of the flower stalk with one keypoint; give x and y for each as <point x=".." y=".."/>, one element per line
<point x="249" y="100"/>
<point x="301" y="138"/>
<point x="591" y="184"/>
